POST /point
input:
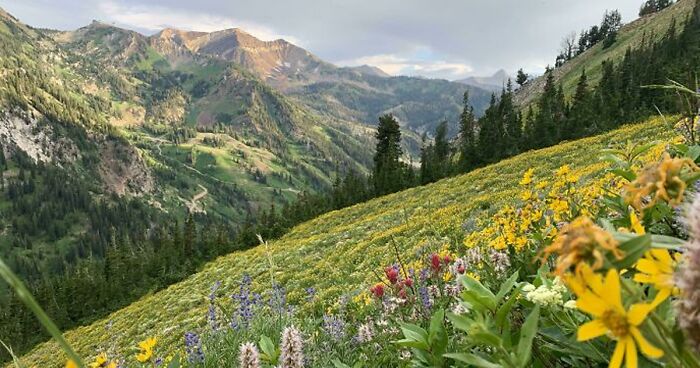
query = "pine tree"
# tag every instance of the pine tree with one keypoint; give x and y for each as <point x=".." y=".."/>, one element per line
<point x="512" y="124"/>
<point x="581" y="119"/>
<point x="442" y="151"/>
<point x="491" y="133"/>
<point x="388" y="173"/>
<point x="468" y="152"/>
<point x="521" y="77"/>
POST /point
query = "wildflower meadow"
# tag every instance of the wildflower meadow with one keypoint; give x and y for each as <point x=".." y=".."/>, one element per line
<point x="583" y="254"/>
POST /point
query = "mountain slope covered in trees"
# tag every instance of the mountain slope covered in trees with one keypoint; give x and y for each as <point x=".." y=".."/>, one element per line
<point x="647" y="29"/>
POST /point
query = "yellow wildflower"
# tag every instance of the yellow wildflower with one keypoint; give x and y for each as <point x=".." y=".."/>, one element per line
<point x="637" y="226"/>
<point x="659" y="181"/>
<point x="527" y="177"/>
<point x="146" y="350"/>
<point x="101" y="361"/>
<point x="71" y="364"/>
<point x="582" y="241"/>
<point x="602" y="300"/>
<point x="657" y="268"/>
<point x="563" y="171"/>
<point x="527" y="195"/>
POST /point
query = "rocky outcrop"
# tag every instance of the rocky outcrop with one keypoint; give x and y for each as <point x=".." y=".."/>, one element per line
<point x="20" y="131"/>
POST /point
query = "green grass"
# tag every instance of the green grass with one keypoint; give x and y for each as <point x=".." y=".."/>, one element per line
<point x="335" y="252"/>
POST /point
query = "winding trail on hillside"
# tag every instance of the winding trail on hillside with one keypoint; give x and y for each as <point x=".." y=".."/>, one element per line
<point x="192" y="205"/>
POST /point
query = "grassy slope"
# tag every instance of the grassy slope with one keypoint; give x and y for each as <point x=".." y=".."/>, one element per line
<point x="631" y="35"/>
<point x="335" y="252"/>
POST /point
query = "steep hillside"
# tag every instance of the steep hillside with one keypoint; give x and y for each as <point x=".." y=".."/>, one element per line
<point x="650" y="28"/>
<point x="335" y="252"/>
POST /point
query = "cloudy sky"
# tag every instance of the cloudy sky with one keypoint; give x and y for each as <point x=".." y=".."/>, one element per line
<point x="434" y="38"/>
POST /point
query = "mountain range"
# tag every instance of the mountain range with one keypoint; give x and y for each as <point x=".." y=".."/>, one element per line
<point x="220" y="124"/>
<point x="494" y="83"/>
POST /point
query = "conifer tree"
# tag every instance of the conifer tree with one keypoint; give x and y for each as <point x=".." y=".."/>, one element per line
<point x="521" y="77"/>
<point x="388" y="173"/>
<point x="468" y="152"/>
<point x="512" y="124"/>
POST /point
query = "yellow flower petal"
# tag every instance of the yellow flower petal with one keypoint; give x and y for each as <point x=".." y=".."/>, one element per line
<point x="638" y="312"/>
<point x="591" y="330"/>
<point x="662" y="295"/>
<point x="647" y="348"/>
<point x="618" y="354"/>
<point x="636" y="224"/>
<point x="647" y="266"/>
<point x="630" y="353"/>
<point x="611" y="290"/>
<point x="591" y="304"/>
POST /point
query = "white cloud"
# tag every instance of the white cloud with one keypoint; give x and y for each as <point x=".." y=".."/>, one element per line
<point x="400" y="65"/>
<point x="155" y="18"/>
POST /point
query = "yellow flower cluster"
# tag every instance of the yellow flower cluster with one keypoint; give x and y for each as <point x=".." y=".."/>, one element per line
<point x="660" y="181"/>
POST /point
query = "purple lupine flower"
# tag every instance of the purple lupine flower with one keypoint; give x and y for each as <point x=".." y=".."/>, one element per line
<point x="246" y="300"/>
<point x="334" y="327"/>
<point x="193" y="348"/>
<point x="425" y="297"/>
<point x="158" y="362"/>
<point x="424" y="274"/>
<point x="278" y="299"/>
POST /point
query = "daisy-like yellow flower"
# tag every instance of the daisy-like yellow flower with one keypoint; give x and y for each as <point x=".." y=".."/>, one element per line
<point x="146" y="350"/>
<point x="101" y="361"/>
<point x="657" y="268"/>
<point x="71" y="364"/>
<point x="527" y="177"/>
<point x="601" y="299"/>
<point x="659" y="181"/>
<point x="582" y="242"/>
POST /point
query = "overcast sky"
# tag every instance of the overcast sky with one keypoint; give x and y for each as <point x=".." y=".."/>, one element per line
<point x="447" y="39"/>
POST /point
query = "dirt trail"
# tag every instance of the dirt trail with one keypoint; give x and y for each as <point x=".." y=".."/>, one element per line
<point x="193" y="205"/>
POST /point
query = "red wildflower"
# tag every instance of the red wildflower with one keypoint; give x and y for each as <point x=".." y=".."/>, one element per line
<point x="408" y="282"/>
<point x="392" y="274"/>
<point x="435" y="262"/>
<point x="402" y="293"/>
<point x="460" y="268"/>
<point x="377" y="290"/>
<point x="447" y="260"/>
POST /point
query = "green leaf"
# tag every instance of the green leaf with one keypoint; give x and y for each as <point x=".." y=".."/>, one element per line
<point x="460" y="322"/>
<point x="633" y="250"/>
<point x="338" y="364"/>
<point x="412" y="344"/>
<point x="504" y="310"/>
<point x="414" y="332"/>
<point x="527" y="334"/>
<point x="627" y="174"/>
<point x="175" y="363"/>
<point x="505" y="288"/>
<point x="479" y="293"/>
<point x="437" y="336"/>
<point x="472" y="359"/>
<point x="270" y="353"/>
<point x="693" y="152"/>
